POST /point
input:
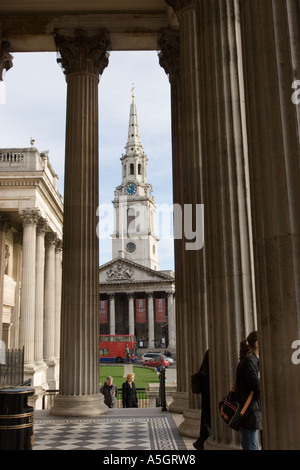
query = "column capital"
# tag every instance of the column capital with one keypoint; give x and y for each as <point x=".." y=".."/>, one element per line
<point x="50" y="238"/>
<point x="6" y="59"/>
<point x="30" y="216"/>
<point x="42" y="225"/>
<point x="169" y="55"/>
<point x="5" y="223"/>
<point x="179" y="6"/>
<point x="83" y="53"/>
<point x="58" y="244"/>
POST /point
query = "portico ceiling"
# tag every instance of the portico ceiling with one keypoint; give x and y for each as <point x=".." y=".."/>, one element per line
<point x="133" y="24"/>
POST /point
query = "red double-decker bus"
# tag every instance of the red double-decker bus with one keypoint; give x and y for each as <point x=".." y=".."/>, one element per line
<point x="112" y="348"/>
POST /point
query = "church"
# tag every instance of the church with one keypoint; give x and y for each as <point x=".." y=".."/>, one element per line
<point x="136" y="298"/>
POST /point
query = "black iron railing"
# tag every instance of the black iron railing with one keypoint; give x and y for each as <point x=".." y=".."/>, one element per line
<point x="12" y="368"/>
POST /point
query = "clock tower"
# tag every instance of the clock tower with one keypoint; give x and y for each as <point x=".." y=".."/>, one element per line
<point x="134" y="232"/>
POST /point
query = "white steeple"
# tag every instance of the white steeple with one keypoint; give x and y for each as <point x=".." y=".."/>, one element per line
<point x="134" y="234"/>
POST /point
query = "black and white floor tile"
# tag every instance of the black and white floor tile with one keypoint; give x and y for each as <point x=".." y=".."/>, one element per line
<point x="117" y="431"/>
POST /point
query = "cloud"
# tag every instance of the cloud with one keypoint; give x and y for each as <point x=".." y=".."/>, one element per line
<point x="35" y="106"/>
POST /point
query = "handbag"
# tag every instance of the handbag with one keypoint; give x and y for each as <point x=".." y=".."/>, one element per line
<point x="231" y="411"/>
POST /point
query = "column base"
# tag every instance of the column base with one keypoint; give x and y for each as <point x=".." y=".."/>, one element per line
<point x="82" y="405"/>
<point x="190" y="427"/>
<point x="180" y="402"/>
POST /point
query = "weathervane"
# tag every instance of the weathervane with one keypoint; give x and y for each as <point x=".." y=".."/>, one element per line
<point x="132" y="91"/>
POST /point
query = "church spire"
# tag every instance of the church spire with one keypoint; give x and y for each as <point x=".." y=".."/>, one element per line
<point x="133" y="145"/>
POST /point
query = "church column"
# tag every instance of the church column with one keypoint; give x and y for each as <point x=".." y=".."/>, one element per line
<point x="83" y="57"/>
<point x="169" y="59"/>
<point x="49" y="308"/>
<point x="30" y="219"/>
<point x="228" y="240"/>
<point x="131" y="313"/>
<point x="112" y="314"/>
<point x="271" y="37"/>
<point x="171" y="321"/>
<point x="150" y="320"/>
<point x="39" y="291"/>
<point x="4" y="227"/>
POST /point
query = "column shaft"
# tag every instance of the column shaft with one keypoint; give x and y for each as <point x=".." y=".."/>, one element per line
<point x="272" y="63"/>
<point x="39" y="292"/>
<point x="131" y="314"/>
<point x="112" y="315"/>
<point x="150" y="321"/>
<point x="83" y="58"/>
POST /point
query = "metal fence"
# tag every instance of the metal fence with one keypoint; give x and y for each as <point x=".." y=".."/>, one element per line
<point x="12" y="368"/>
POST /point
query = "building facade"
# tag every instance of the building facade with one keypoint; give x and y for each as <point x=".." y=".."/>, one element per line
<point x="135" y="297"/>
<point x="31" y="218"/>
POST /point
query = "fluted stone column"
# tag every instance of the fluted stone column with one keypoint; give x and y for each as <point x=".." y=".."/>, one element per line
<point x="15" y="330"/>
<point x="228" y="231"/>
<point x="169" y="59"/>
<point x="29" y="219"/>
<point x="112" y="315"/>
<point x="49" y="308"/>
<point x="131" y="314"/>
<point x="42" y="227"/>
<point x="150" y="320"/>
<point x="58" y="272"/>
<point x="4" y="227"/>
<point x="271" y="38"/>
<point x="194" y="262"/>
<point x="171" y="321"/>
<point x="83" y="58"/>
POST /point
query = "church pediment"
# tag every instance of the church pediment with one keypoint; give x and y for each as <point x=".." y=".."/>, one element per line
<point x="121" y="270"/>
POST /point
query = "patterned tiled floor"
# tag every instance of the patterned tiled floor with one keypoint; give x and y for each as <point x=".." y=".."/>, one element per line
<point x="143" y="429"/>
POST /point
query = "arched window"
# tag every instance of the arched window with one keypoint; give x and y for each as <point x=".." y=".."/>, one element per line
<point x="139" y="169"/>
<point x="131" y="168"/>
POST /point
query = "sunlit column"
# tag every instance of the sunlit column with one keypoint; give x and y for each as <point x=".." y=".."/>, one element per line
<point x="112" y="315"/>
<point x="131" y="314"/>
<point x="150" y="320"/>
<point x="83" y="57"/>
<point x="4" y="227"/>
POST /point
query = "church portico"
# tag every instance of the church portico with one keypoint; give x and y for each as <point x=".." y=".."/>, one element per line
<point x="139" y="301"/>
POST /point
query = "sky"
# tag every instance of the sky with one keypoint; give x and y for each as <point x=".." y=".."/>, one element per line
<point x="33" y="105"/>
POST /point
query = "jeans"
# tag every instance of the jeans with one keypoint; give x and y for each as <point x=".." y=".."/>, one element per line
<point x="249" y="439"/>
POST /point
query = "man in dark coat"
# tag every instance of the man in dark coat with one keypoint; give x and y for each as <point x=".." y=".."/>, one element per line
<point x="110" y="392"/>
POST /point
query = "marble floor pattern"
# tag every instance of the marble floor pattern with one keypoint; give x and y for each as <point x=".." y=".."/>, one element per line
<point x="121" y="429"/>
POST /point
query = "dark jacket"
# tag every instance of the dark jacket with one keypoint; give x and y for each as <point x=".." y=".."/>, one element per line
<point x="110" y="393"/>
<point x="247" y="380"/>
<point x="129" y="396"/>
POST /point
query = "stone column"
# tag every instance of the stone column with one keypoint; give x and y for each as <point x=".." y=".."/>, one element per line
<point x="169" y="59"/>
<point x="131" y="314"/>
<point x="83" y="58"/>
<point x="42" y="227"/>
<point x="171" y="321"/>
<point x="271" y="38"/>
<point x="193" y="195"/>
<point x="15" y="330"/>
<point x="49" y="308"/>
<point x="150" y="320"/>
<point x="228" y="231"/>
<point x="112" y="315"/>
<point x="4" y="227"/>
<point x="30" y="219"/>
<point x="58" y="267"/>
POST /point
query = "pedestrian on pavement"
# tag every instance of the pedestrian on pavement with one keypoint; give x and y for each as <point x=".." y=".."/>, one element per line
<point x="247" y="380"/>
<point x="205" y="404"/>
<point x="129" y="393"/>
<point x="110" y="392"/>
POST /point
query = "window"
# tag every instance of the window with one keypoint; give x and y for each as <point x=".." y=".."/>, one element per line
<point x="131" y="168"/>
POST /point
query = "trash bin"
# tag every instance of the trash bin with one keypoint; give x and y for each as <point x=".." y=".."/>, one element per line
<point x="16" y="419"/>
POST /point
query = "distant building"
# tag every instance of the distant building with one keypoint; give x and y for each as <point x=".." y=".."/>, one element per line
<point x="31" y="219"/>
<point x="135" y="297"/>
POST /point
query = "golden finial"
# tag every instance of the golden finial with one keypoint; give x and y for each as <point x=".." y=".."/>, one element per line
<point x="132" y="92"/>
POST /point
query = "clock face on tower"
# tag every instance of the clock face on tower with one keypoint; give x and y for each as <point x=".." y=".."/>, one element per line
<point x="130" y="189"/>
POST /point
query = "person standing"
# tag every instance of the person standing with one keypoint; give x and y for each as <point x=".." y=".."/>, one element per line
<point x="129" y="393"/>
<point x="110" y="392"/>
<point x="205" y="404"/>
<point x="247" y="380"/>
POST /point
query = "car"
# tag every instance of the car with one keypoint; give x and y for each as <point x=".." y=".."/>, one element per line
<point x="149" y="355"/>
<point x="156" y="362"/>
